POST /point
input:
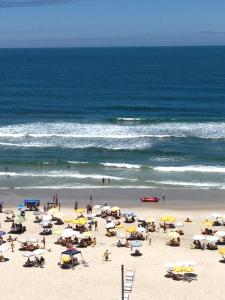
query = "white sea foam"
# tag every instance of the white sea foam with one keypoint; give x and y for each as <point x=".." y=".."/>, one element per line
<point x="197" y="168"/>
<point x="191" y="184"/>
<point x="121" y="165"/>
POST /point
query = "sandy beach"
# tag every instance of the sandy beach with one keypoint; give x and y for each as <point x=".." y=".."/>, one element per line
<point x="101" y="280"/>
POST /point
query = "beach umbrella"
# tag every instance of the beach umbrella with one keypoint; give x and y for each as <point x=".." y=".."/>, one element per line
<point x="32" y="239"/>
<point x="9" y="212"/>
<point x="105" y="208"/>
<point x="136" y="244"/>
<point x="131" y="229"/>
<point x="121" y="235"/>
<point x="212" y="239"/>
<point x="21" y="206"/>
<point x="28" y="254"/>
<point x="20" y="220"/>
<point x="44" y="223"/>
<point x="39" y="252"/>
<point x="2" y="233"/>
<point x="80" y="210"/>
<point x="87" y="234"/>
<point x="141" y="229"/>
<point x="220" y="233"/>
<point x="70" y="230"/>
<point x="150" y="220"/>
<point x="119" y="226"/>
<point x="198" y="237"/>
<point x="91" y="216"/>
<point x="67" y="220"/>
<point x="22" y="239"/>
<point x="173" y="235"/>
<point x="110" y="225"/>
<point x="207" y="223"/>
<point x="67" y="234"/>
<point x="141" y="219"/>
<point x="47" y="218"/>
<point x="52" y="211"/>
<point x="81" y="221"/>
<point x="109" y="219"/>
<point x="182" y="269"/>
<point x="179" y="224"/>
<point x="115" y="208"/>
<point x="3" y="249"/>
<point x="58" y="231"/>
<point x="216" y="215"/>
<point x="168" y="219"/>
<point x="97" y="206"/>
<point x="129" y="213"/>
<point x="222" y="251"/>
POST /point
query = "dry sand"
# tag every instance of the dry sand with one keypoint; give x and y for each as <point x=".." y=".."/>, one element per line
<point x="100" y="280"/>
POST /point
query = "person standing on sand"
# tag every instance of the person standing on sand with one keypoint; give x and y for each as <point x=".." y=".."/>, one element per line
<point x="163" y="197"/>
<point x="59" y="206"/>
<point x="164" y="227"/>
<point x="43" y="242"/>
<point x="76" y="205"/>
<point x="12" y="246"/>
<point x="96" y="225"/>
<point x="106" y="255"/>
<point x="103" y="180"/>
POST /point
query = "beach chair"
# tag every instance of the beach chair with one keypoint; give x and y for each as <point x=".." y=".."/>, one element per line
<point x="128" y="286"/>
<point x="129" y="276"/>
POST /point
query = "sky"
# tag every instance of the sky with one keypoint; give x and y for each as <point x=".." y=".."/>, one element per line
<point x="106" y="23"/>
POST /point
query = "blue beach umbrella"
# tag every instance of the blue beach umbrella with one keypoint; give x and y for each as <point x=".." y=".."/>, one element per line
<point x="136" y="244"/>
<point x="129" y="213"/>
<point x="21" y="206"/>
<point x="2" y="233"/>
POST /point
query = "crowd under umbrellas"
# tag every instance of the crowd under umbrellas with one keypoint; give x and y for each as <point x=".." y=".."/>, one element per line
<point x="126" y="229"/>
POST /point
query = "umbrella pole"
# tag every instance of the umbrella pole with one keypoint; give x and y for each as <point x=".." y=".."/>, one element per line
<point x="122" y="281"/>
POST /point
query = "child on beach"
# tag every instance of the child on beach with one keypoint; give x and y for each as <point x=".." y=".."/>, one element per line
<point x="106" y="255"/>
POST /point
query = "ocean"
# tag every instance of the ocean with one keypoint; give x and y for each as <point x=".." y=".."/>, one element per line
<point x="141" y="117"/>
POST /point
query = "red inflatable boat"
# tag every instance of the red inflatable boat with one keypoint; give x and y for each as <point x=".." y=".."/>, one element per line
<point x="149" y="199"/>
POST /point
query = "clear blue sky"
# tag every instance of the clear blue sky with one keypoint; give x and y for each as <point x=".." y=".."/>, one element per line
<point x="63" y="23"/>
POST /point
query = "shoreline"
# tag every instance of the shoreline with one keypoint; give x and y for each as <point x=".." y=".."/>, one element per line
<point x="176" y="199"/>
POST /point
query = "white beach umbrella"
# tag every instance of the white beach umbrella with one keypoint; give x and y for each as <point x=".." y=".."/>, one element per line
<point x="141" y="219"/>
<point x="97" y="206"/>
<point x="198" y="237"/>
<point x="91" y="216"/>
<point x="110" y="225"/>
<point x="39" y="252"/>
<point x="220" y="233"/>
<point x="32" y="239"/>
<point x="106" y="208"/>
<point x="179" y="224"/>
<point x="216" y="215"/>
<point x="121" y="236"/>
<point x="47" y="218"/>
<point x="4" y="248"/>
<point x="44" y="223"/>
<point x="141" y="229"/>
<point x="67" y="234"/>
<point x="22" y="239"/>
<point x="212" y="239"/>
<point x="28" y="254"/>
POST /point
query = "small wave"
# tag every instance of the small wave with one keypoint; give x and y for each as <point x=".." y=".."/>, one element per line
<point x="121" y="165"/>
<point x="190" y="184"/>
<point x="77" y="162"/>
<point x="199" y="168"/>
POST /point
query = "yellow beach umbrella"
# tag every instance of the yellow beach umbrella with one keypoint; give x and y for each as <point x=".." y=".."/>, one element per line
<point x="179" y="269"/>
<point x="222" y="251"/>
<point x="173" y="235"/>
<point x="150" y="220"/>
<point x="81" y="221"/>
<point x="68" y="220"/>
<point x="52" y="211"/>
<point x="208" y="223"/>
<point x="80" y="210"/>
<point x="119" y="226"/>
<point x="168" y="218"/>
<point x="87" y="234"/>
<point x="131" y="229"/>
<point x="115" y="208"/>
<point x="58" y="231"/>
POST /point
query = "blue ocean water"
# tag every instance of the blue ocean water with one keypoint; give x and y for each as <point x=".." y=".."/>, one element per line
<point x="140" y="116"/>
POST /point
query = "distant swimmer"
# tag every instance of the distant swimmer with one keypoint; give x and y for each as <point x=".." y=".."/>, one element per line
<point x="6" y="169"/>
<point x="103" y="180"/>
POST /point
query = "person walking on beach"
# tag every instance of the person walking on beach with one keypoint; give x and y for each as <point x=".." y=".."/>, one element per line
<point x="163" y="197"/>
<point x="164" y="227"/>
<point x="43" y="242"/>
<point x="59" y="206"/>
<point x="106" y="255"/>
<point x="12" y="246"/>
<point x="103" y="180"/>
<point x="91" y="199"/>
<point x="96" y="225"/>
<point x="76" y="205"/>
